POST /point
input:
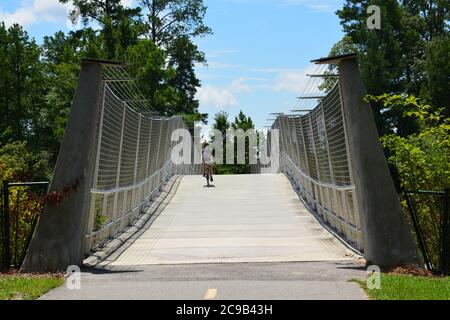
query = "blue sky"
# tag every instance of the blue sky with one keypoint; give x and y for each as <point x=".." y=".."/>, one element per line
<point x="258" y="56"/>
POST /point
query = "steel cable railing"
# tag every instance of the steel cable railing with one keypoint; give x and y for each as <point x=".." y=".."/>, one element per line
<point x="314" y="155"/>
<point x="133" y="157"/>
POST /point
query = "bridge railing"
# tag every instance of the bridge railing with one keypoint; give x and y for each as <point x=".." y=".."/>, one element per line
<point x="115" y="157"/>
<point x="314" y="155"/>
<point x="133" y="158"/>
<point x="334" y="156"/>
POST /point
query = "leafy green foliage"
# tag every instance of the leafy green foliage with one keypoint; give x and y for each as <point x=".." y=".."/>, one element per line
<point x="344" y="46"/>
<point x="20" y="82"/>
<point x="146" y="61"/>
<point x="158" y="45"/>
<point x="410" y="54"/>
<point x="18" y="163"/>
<point x="421" y="158"/>
<point x="99" y="220"/>
<point x="195" y="117"/>
<point x="222" y="124"/>
<point x="436" y="68"/>
<point x="183" y="56"/>
<point x="171" y="25"/>
<point x="120" y="26"/>
<point x="167" y="20"/>
<point x="241" y="122"/>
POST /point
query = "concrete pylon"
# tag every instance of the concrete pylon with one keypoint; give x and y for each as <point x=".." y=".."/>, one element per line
<point x="60" y="233"/>
<point x="387" y="238"/>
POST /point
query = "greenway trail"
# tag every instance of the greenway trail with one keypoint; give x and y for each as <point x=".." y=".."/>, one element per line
<point x="247" y="237"/>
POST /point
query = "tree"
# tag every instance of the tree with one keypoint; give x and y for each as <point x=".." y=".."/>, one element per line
<point x="21" y="84"/>
<point x="436" y="66"/>
<point x="61" y="56"/>
<point x="222" y="124"/>
<point x="18" y="163"/>
<point x="344" y="46"/>
<point x="244" y="123"/>
<point x="147" y="63"/>
<point x="168" y="20"/>
<point x="381" y="51"/>
<point x="171" y="25"/>
<point x="183" y="56"/>
<point x="391" y="59"/>
<point x="433" y="16"/>
<point x="120" y="26"/>
<point x="422" y="161"/>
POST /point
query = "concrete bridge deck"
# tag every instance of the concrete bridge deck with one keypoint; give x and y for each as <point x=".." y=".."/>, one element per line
<point x="247" y="218"/>
<point x="249" y="237"/>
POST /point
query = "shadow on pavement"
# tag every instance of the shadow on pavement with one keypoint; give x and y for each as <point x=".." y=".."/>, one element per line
<point x="93" y="270"/>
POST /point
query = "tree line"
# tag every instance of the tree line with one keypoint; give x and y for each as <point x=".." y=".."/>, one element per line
<point x="38" y="81"/>
<point x="406" y="69"/>
<point x="222" y="124"/>
<point x="409" y="54"/>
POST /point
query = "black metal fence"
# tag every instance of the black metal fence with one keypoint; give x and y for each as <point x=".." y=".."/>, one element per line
<point x="21" y="205"/>
<point x="429" y="216"/>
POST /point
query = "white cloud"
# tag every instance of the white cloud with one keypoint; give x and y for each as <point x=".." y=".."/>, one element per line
<point x="314" y="5"/>
<point x="127" y="3"/>
<point x="214" y="97"/>
<point x="220" y="53"/>
<point x="218" y="65"/>
<point x="317" y="5"/>
<point x="239" y="85"/>
<point x="293" y="80"/>
<point x="32" y="12"/>
<point x="323" y="7"/>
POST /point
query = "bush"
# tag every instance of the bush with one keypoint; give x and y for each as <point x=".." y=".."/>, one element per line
<point x="422" y="160"/>
<point x="17" y="163"/>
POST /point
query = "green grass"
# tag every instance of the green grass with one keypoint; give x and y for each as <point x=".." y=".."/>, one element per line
<point x="27" y="287"/>
<point x="405" y="287"/>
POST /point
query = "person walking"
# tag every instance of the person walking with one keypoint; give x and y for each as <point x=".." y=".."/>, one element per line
<point x="207" y="165"/>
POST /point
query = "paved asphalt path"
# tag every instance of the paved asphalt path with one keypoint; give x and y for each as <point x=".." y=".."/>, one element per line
<point x="229" y="281"/>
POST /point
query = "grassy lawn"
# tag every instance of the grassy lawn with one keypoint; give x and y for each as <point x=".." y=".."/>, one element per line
<point x="27" y="287"/>
<point x="406" y="287"/>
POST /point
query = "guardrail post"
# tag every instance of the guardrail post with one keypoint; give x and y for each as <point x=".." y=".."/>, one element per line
<point x="6" y="230"/>
<point x="387" y="238"/>
<point x="60" y="236"/>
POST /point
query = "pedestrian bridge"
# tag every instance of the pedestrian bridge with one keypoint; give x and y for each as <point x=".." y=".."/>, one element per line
<point x="124" y="199"/>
